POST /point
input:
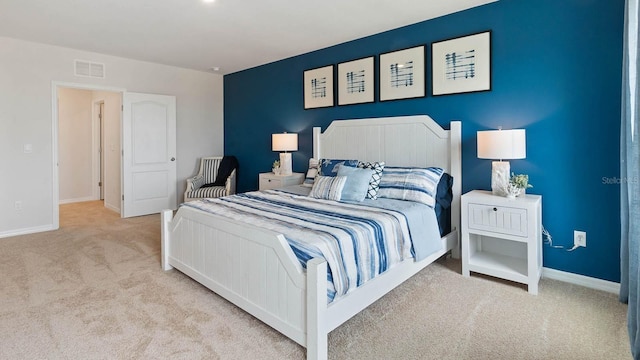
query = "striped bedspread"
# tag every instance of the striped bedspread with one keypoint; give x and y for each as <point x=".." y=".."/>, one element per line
<point x="359" y="242"/>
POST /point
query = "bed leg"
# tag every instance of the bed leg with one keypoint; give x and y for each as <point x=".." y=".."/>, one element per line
<point x="316" y="309"/>
<point x="165" y="216"/>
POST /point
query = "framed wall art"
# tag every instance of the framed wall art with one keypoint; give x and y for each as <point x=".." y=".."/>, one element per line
<point x="318" y="87"/>
<point x="402" y="74"/>
<point x="461" y="65"/>
<point x="355" y="81"/>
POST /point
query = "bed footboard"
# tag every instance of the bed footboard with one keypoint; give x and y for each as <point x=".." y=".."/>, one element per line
<point x="253" y="268"/>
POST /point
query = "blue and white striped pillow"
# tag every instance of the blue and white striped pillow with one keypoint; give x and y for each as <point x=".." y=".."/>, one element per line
<point x="414" y="184"/>
<point x="328" y="187"/>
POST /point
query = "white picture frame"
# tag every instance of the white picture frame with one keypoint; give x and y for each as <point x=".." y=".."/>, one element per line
<point x="461" y="65"/>
<point x="318" y="87"/>
<point x="402" y="74"/>
<point x="356" y="81"/>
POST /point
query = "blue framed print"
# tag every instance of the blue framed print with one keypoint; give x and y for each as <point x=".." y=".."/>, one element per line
<point x="318" y="87"/>
<point x="461" y="65"/>
<point x="402" y="74"/>
<point x="355" y="81"/>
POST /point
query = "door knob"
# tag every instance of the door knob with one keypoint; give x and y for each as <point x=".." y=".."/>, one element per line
<point x="173" y="159"/>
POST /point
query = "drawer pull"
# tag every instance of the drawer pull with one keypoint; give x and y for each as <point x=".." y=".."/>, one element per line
<point x="495" y="209"/>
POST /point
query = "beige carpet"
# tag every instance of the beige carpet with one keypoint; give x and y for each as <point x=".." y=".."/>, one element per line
<point x="94" y="290"/>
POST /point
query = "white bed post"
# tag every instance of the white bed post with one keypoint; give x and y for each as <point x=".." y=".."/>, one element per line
<point x="165" y="218"/>
<point x="455" y="142"/>
<point x="317" y="131"/>
<point x="317" y="333"/>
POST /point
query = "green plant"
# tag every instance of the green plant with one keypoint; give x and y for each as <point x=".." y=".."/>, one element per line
<point x="520" y="181"/>
<point x="276" y="164"/>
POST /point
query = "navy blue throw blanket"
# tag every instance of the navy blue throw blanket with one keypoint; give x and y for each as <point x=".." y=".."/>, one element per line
<point x="227" y="165"/>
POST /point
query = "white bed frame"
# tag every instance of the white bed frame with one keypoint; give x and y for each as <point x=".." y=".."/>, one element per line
<point x="256" y="269"/>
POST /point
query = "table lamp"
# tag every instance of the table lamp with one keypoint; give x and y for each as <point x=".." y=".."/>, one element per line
<point x="501" y="145"/>
<point x="285" y="142"/>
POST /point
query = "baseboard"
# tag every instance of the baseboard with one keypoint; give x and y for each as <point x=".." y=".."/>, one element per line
<point x="26" y="231"/>
<point x="111" y="207"/>
<point x="70" y="201"/>
<point x="586" y="281"/>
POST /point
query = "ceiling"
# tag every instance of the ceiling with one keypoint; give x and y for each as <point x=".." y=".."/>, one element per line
<point x="231" y="35"/>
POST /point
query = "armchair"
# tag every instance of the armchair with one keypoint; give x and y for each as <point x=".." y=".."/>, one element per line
<point x="204" y="184"/>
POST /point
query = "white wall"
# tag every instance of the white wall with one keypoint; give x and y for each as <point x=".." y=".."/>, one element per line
<point x="112" y="181"/>
<point x="27" y="71"/>
<point x="75" y="145"/>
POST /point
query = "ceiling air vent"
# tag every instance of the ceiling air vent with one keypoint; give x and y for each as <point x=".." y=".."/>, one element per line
<point x="89" y="69"/>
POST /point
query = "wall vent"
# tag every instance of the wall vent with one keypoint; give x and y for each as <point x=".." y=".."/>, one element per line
<point x="89" y="69"/>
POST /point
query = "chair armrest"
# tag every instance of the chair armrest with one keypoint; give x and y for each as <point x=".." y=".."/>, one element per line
<point x="230" y="184"/>
<point x="195" y="183"/>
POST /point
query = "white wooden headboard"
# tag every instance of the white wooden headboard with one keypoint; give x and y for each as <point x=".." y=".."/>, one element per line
<point x="398" y="141"/>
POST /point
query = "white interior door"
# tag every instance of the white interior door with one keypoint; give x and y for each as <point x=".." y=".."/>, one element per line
<point x="149" y="151"/>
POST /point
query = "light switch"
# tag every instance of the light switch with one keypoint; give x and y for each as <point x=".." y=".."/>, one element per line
<point x="28" y="148"/>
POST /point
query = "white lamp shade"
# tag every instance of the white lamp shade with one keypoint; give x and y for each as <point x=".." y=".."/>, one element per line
<point x="502" y="144"/>
<point x="284" y="142"/>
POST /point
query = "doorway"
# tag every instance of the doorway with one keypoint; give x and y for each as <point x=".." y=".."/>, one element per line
<point x="145" y="151"/>
<point x="89" y="159"/>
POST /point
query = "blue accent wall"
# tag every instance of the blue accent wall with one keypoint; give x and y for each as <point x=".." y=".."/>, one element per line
<point x="556" y="71"/>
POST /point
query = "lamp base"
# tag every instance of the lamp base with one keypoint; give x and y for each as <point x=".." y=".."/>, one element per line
<point x="500" y="171"/>
<point x="285" y="164"/>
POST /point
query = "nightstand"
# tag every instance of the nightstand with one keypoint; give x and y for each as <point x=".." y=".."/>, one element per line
<point x="272" y="181"/>
<point x="502" y="237"/>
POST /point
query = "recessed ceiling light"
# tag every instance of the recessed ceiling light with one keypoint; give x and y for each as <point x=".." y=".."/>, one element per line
<point x="215" y="68"/>
<point x="208" y="1"/>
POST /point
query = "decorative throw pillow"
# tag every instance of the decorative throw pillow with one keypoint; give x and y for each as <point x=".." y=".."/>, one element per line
<point x="312" y="172"/>
<point x="328" y="187"/>
<point x="198" y="181"/>
<point x="414" y="184"/>
<point x="355" y="189"/>
<point x="329" y="167"/>
<point x="374" y="183"/>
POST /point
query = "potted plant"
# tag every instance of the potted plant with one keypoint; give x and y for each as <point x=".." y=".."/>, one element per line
<point x="276" y="167"/>
<point x="519" y="183"/>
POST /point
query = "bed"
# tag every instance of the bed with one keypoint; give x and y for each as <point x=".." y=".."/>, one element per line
<point x="256" y="269"/>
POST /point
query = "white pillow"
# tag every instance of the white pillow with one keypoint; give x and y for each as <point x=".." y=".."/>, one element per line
<point x="312" y="172"/>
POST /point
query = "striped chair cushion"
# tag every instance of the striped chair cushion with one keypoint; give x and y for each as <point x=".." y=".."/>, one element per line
<point x="208" y="192"/>
<point x="210" y="170"/>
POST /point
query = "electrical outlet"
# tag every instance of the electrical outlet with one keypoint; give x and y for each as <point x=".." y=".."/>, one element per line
<point x="580" y="238"/>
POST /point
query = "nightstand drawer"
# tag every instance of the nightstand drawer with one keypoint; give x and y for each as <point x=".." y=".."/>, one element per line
<point x="498" y="219"/>
<point x="269" y="183"/>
